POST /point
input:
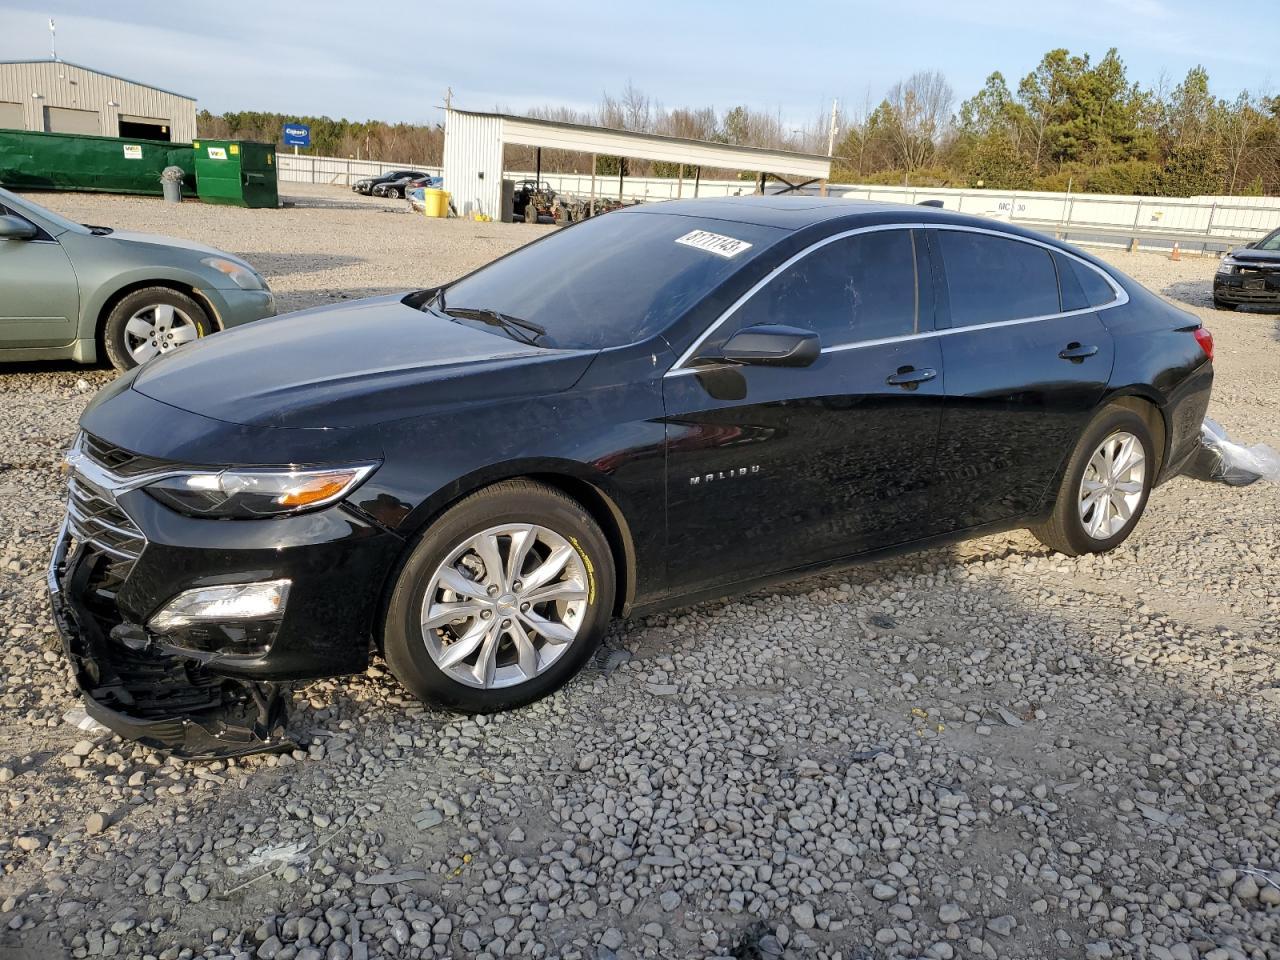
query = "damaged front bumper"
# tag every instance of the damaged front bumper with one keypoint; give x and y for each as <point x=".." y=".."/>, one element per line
<point x="144" y="690"/>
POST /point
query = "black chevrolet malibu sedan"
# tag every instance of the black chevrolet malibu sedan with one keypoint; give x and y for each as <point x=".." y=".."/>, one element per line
<point x="1249" y="275"/>
<point x="670" y="402"/>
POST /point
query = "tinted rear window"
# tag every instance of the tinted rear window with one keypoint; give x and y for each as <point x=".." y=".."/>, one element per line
<point x="1096" y="289"/>
<point x="991" y="279"/>
<point x="615" y="279"/>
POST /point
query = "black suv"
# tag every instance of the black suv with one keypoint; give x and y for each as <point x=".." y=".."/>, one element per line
<point x="1249" y="274"/>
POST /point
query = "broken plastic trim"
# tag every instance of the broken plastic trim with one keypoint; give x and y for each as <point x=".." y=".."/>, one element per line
<point x="1222" y="461"/>
<point x="143" y="691"/>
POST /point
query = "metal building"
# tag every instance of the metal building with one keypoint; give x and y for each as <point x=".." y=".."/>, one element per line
<point x="59" y="97"/>
<point x="473" y="145"/>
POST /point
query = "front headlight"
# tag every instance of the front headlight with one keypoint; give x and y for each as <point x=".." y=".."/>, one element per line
<point x="254" y="493"/>
<point x="241" y="275"/>
<point x="1228" y="265"/>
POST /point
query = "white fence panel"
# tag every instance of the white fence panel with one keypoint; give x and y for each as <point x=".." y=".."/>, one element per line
<point x="1195" y="218"/>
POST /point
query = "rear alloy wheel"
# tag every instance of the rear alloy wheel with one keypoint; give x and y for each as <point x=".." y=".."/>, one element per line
<point x="393" y="193"/>
<point x="1105" y="488"/>
<point x="1112" y="486"/>
<point x="150" y="322"/>
<point x="504" y="598"/>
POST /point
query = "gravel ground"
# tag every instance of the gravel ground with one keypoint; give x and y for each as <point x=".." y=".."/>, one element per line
<point x="988" y="750"/>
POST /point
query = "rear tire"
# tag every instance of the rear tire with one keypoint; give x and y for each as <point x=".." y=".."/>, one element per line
<point x="498" y="616"/>
<point x="149" y="322"/>
<point x="1097" y="507"/>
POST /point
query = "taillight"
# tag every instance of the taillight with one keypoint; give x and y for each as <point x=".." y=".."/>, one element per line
<point x="1205" y="339"/>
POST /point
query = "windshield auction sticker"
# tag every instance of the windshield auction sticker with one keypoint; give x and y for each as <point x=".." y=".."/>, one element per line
<point x="721" y="246"/>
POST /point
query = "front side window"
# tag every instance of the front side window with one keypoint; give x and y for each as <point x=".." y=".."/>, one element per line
<point x="992" y="279"/>
<point x="857" y="288"/>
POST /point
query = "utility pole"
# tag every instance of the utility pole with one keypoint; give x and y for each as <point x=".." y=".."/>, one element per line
<point x="53" y="41"/>
<point x="448" y="98"/>
<point x="831" y="137"/>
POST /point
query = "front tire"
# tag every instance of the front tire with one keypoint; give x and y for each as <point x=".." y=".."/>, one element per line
<point x="149" y="322"/>
<point x="503" y="600"/>
<point x="1105" y="487"/>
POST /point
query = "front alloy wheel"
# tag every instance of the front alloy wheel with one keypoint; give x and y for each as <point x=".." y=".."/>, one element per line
<point x="503" y="599"/>
<point x="156" y="329"/>
<point x="152" y="321"/>
<point x="504" y="606"/>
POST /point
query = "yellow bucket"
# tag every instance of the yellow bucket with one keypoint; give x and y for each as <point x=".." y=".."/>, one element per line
<point x="435" y="203"/>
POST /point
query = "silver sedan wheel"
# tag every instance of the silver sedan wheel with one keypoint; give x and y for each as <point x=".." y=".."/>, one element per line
<point x="504" y="606"/>
<point x="1112" y="485"/>
<point x="158" y="329"/>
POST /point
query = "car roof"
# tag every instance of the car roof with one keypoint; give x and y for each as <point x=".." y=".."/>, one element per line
<point x="795" y="212"/>
<point x="798" y="212"/>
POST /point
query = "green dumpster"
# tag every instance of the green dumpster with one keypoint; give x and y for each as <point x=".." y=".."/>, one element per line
<point x="31" y="160"/>
<point x="237" y="172"/>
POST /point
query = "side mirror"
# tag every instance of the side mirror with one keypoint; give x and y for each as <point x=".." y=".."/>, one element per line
<point x="773" y="345"/>
<point x="15" y="228"/>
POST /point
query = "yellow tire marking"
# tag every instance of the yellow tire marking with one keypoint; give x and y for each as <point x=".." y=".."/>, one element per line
<point x="591" y="570"/>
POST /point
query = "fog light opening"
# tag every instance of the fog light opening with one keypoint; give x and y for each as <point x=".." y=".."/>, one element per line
<point x="233" y="618"/>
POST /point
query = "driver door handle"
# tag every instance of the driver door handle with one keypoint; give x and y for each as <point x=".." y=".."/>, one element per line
<point x="910" y="377"/>
<point x="1077" y="352"/>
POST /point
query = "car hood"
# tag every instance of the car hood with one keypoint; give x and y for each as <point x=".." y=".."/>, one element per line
<point x="1250" y="255"/>
<point x="352" y="364"/>
<point x="155" y="239"/>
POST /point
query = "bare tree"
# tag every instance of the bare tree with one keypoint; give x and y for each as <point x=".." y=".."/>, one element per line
<point x="919" y="115"/>
<point x="1237" y="123"/>
<point x="637" y="111"/>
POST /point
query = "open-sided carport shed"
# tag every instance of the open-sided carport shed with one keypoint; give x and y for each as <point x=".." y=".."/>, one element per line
<point x="473" y="145"/>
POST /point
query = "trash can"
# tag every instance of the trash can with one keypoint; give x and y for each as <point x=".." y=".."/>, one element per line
<point x="435" y="203"/>
<point x="237" y="172"/>
<point x="171" y="183"/>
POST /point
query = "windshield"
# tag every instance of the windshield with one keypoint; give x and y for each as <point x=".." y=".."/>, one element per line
<point x="53" y="222"/>
<point x="1270" y="242"/>
<point x="614" y="279"/>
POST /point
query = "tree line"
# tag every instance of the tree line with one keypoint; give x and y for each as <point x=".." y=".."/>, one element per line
<point x="360" y="139"/>
<point x="1071" y="123"/>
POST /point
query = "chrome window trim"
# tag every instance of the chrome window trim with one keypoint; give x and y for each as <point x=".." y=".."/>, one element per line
<point x="1122" y="297"/>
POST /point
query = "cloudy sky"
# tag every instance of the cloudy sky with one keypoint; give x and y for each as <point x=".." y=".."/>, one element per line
<point x="349" y="59"/>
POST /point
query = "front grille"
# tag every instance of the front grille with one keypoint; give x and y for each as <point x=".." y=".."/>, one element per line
<point x="94" y="518"/>
<point x="118" y="460"/>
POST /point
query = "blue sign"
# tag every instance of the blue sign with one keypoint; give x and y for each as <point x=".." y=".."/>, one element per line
<point x="297" y="135"/>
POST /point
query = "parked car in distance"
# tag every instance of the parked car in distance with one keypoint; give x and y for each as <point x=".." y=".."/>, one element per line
<point x="367" y="184"/>
<point x="67" y="290"/>
<point x="1249" y="274"/>
<point x="678" y="401"/>
<point x="393" y="189"/>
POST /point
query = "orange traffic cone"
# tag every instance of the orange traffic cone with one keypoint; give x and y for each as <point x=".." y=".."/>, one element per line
<point x="1177" y="254"/>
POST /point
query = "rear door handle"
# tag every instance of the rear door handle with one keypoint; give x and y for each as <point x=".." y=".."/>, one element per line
<point x="910" y="377"/>
<point x="1077" y="352"/>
